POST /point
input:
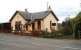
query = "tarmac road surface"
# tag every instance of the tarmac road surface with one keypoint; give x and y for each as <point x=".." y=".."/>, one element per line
<point x="17" y="42"/>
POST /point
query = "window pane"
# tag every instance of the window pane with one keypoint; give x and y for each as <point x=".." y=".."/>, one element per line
<point x="53" y="24"/>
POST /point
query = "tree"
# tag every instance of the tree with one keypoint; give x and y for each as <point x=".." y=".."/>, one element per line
<point x="67" y="26"/>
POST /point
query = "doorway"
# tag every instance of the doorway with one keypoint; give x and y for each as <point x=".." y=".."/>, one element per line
<point x="39" y="25"/>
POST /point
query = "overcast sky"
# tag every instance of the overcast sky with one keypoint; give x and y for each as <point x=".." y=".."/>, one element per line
<point x="62" y="8"/>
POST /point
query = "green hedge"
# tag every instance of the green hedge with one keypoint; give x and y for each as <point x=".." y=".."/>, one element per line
<point x="52" y="34"/>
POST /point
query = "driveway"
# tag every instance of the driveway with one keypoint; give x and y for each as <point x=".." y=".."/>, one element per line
<point x="16" y="42"/>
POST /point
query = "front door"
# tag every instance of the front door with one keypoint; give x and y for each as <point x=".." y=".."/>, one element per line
<point x="26" y="27"/>
<point x="33" y="26"/>
<point x="39" y="25"/>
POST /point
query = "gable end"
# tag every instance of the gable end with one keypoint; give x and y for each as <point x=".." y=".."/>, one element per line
<point x="15" y="14"/>
<point x="54" y="15"/>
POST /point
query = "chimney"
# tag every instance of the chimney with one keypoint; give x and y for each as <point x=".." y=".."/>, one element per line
<point x="26" y="11"/>
<point x="48" y="7"/>
<point x="31" y="17"/>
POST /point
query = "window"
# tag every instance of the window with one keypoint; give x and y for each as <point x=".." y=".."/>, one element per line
<point x="53" y="24"/>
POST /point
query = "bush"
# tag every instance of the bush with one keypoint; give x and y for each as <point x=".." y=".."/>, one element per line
<point x="52" y="34"/>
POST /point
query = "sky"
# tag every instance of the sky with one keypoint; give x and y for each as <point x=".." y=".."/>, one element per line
<point x="62" y="8"/>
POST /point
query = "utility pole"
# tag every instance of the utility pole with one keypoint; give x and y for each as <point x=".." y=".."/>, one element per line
<point x="73" y="29"/>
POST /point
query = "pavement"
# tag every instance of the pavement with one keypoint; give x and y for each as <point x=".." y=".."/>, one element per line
<point x="17" y="42"/>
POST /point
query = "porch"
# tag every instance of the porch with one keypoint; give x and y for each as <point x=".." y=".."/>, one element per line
<point x="34" y="26"/>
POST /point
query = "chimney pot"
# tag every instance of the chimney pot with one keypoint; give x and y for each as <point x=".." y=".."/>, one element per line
<point x="26" y="10"/>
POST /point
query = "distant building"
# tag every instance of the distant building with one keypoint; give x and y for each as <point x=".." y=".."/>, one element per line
<point x="40" y="21"/>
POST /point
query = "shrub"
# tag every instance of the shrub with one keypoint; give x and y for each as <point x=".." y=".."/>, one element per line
<point x="51" y="34"/>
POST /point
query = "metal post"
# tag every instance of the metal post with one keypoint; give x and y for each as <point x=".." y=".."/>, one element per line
<point x="79" y="34"/>
<point x="74" y="31"/>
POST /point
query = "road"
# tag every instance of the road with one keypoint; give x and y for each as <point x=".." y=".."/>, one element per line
<point x="17" y="42"/>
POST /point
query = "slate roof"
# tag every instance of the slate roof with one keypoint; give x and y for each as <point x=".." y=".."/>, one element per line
<point x="38" y="15"/>
<point x="33" y="16"/>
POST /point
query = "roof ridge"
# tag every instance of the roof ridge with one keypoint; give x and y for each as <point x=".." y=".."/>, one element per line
<point x="20" y="11"/>
<point x="39" y="12"/>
